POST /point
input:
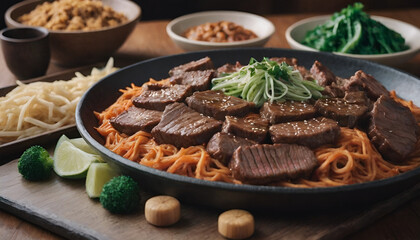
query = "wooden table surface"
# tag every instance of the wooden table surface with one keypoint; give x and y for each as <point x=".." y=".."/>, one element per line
<point x="149" y="40"/>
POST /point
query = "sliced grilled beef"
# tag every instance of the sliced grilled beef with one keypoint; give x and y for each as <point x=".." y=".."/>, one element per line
<point x="201" y="64"/>
<point x="198" y="80"/>
<point x="218" y="105"/>
<point x="278" y="112"/>
<point x="154" y="86"/>
<point x="393" y="129"/>
<point x="358" y="97"/>
<point x="336" y="89"/>
<point x="345" y="113"/>
<point x="323" y="75"/>
<point x="156" y="97"/>
<point x="361" y="81"/>
<point x="229" y="68"/>
<point x="222" y="145"/>
<point x="311" y="133"/>
<point x="260" y="164"/>
<point x="135" y="119"/>
<point x="333" y="85"/>
<point x="181" y="126"/>
<point x="252" y="127"/>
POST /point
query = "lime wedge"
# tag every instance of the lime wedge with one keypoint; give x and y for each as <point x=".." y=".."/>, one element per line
<point x="71" y="162"/>
<point x="82" y="145"/>
<point x="62" y="139"/>
<point x="97" y="175"/>
<point x="77" y="142"/>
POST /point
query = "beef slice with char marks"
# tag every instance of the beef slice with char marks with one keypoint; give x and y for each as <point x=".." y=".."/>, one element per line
<point x="393" y="129"/>
<point x="156" y="97"/>
<point x="201" y="64"/>
<point x="322" y="74"/>
<point x="222" y="145"/>
<point x="336" y="89"/>
<point x="279" y="112"/>
<point x="136" y="119"/>
<point x="154" y="86"/>
<point x="262" y="164"/>
<point x="252" y="127"/>
<point x="181" y="126"/>
<point x="198" y="80"/>
<point x="229" y="68"/>
<point x="357" y="97"/>
<point x="333" y="85"/>
<point x="312" y="133"/>
<point x="218" y="105"/>
<point x="362" y="81"/>
<point x="345" y="113"/>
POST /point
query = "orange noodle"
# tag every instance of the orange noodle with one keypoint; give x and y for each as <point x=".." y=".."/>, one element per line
<point x="352" y="159"/>
<point x="140" y="147"/>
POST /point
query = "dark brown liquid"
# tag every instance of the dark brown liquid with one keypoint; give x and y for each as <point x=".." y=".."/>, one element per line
<point x="23" y="33"/>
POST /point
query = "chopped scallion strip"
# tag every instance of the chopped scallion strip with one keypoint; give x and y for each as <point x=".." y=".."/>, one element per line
<point x="267" y="80"/>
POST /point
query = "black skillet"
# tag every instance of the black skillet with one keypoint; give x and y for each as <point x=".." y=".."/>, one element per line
<point x="225" y="195"/>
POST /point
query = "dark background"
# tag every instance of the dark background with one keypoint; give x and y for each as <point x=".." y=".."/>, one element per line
<point x="169" y="9"/>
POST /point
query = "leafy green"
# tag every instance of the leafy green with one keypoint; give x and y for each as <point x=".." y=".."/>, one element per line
<point x="353" y="31"/>
<point x="267" y="80"/>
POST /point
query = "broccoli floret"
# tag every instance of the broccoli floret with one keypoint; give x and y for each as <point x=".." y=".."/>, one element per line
<point x="35" y="164"/>
<point x="120" y="195"/>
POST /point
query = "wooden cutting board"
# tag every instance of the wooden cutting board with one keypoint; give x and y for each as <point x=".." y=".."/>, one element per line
<point x="63" y="207"/>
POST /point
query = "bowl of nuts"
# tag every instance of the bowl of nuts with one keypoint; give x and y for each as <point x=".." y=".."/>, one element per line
<point x="219" y="29"/>
<point x="81" y="32"/>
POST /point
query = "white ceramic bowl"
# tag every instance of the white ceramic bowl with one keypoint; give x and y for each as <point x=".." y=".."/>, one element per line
<point x="262" y="27"/>
<point x="296" y="33"/>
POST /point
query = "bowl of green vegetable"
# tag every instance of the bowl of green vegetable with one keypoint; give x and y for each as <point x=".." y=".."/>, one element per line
<point x="353" y="33"/>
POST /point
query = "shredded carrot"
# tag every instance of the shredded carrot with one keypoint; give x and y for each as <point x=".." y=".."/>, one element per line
<point x="353" y="159"/>
<point x="140" y="147"/>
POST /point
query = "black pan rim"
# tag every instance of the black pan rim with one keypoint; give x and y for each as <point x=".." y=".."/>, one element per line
<point x="241" y="187"/>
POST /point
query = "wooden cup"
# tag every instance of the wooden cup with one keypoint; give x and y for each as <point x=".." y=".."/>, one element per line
<point x="26" y="51"/>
